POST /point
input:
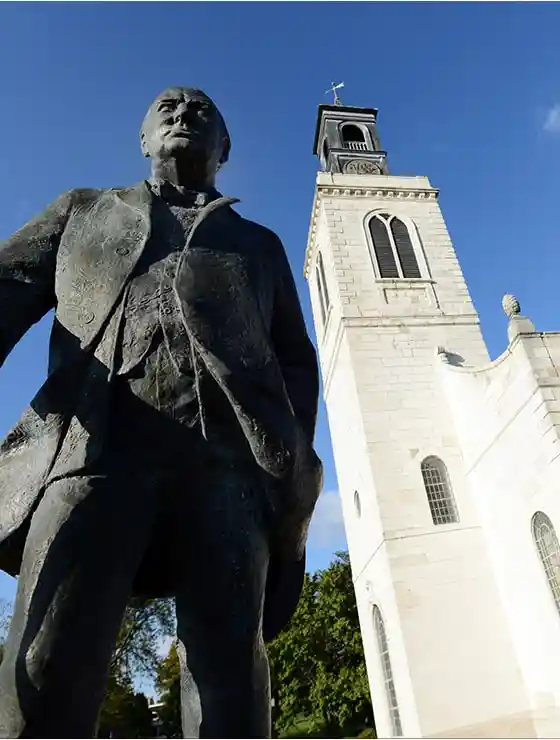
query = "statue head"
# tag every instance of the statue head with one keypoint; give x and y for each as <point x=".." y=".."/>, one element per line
<point x="184" y="127"/>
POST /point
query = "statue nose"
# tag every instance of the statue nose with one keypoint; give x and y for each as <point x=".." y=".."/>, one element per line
<point x="183" y="113"/>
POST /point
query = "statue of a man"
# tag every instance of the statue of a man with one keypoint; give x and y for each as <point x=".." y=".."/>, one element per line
<point x="169" y="452"/>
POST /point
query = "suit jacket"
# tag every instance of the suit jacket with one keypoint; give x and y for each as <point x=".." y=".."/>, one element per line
<point x="244" y="321"/>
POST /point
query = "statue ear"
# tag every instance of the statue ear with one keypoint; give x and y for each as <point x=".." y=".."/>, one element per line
<point x="143" y="145"/>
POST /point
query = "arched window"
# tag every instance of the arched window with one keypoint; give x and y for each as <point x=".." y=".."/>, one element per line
<point x="324" y="300"/>
<point x="389" y="683"/>
<point x="393" y="247"/>
<point x="546" y="541"/>
<point x="353" y="137"/>
<point x="438" y="489"/>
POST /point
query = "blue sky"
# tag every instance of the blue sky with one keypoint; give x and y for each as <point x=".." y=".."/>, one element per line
<point x="469" y="95"/>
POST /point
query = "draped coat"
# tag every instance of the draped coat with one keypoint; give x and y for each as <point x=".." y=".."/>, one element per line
<point x="243" y="317"/>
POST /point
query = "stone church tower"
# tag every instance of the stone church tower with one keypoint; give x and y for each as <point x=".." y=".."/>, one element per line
<point x="415" y="407"/>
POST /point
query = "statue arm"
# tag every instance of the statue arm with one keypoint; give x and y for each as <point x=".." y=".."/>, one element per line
<point x="27" y="273"/>
<point x="294" y="349"/>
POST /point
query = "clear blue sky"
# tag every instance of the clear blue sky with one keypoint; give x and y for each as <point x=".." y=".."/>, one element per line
<point x="469" y="94"/>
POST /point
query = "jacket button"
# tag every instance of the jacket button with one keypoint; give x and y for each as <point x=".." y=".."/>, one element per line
<point x="123" y="250"/>
<point x="88" y="317"/>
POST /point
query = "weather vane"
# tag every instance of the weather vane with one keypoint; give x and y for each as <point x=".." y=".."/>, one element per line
<point x="334" y="87"/>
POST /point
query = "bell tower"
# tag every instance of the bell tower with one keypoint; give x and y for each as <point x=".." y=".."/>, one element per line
<point x="346" y="141"/>
<point x="388" y="297"/>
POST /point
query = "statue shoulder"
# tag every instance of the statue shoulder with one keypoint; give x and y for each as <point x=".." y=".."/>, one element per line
<point x="83" y="196"/>
<point x="77" y="199"/>
<point x="261" y="233"/>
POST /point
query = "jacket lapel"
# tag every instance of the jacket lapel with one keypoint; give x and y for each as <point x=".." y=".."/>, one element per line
<point x="208" y="210"/>
<point x="130" y="245"/>
<point x="140" y="198"/>
<point x="118" y="255"/>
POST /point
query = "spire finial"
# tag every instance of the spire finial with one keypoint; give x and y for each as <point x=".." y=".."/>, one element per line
<point x="333" y="89"/>
<point x="511" y="306"/>
<point x="518" y="324"/>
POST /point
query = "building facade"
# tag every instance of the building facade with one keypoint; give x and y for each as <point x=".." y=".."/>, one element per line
<point x="446" y="461"/>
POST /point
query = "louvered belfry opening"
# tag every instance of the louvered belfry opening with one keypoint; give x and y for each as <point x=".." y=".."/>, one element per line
<point x="384" y="252"/>
<point x="353" y="137"/>
<point x="405" y="250"/>
<point x="350" y="132"/>
<point x="393" y="247"/>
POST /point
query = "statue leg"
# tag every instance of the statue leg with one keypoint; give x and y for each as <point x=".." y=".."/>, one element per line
<point x="81" y="554"/>
<point x="222" y="550"/>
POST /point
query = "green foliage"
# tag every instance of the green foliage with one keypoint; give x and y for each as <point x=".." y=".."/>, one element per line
<point x="319" y="682"/>
<point x="317" y="663"/>
<point x="168" y="684"/>
<point x="145" y="624"/>
<point x="124" y="714"/>
<point x="303" y="728"/>
<point x="369" y="732"/>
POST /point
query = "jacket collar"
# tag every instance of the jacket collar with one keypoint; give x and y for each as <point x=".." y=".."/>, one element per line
<point x="140" y="197"/>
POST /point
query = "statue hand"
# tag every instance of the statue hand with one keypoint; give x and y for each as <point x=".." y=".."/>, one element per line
<point x="297" y="496"/>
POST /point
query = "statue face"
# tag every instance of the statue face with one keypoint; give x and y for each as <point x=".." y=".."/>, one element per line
<point x="184" y="124"/>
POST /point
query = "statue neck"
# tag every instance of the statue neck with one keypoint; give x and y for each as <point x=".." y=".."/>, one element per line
<point x="184" y="177"/>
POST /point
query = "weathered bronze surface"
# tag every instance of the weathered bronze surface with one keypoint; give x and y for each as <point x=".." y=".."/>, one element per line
<point x="169" y="452"/>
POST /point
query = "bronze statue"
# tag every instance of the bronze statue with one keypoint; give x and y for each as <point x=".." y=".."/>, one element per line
<point x="169" y="452"/>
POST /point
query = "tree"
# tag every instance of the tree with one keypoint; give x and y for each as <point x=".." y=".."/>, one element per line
<point x="168" y="684"/>
<point x="146" y="623"/>
<point x="124" y="712"/>
<point x="297" y="645"/>
<point x="317" y="663"/>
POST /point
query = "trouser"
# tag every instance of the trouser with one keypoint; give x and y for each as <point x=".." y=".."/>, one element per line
<point x="86" y="541"/>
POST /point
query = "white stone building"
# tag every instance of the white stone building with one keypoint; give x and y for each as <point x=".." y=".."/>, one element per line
<point x="448" y="463"/>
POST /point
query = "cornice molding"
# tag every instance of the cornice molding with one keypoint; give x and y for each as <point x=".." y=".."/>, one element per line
<point x="380" y="193"/>
<point x="385" y="192"/>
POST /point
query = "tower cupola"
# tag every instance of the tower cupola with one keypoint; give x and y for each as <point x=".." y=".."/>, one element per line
<point x="346" y="140"/>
